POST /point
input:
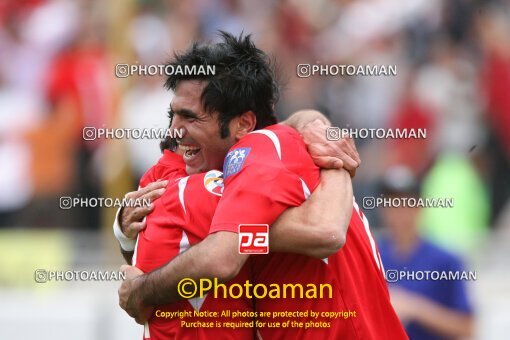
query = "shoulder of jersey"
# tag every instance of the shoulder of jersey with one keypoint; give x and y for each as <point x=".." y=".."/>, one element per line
<point x="213" y="182"/>
<point x="237" y="156"/>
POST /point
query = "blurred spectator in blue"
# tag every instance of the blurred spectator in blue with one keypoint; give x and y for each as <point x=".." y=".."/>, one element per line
<point x="428" y="309"/>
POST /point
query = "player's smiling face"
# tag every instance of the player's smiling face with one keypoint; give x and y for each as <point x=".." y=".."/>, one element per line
<point x="201" y="145"/>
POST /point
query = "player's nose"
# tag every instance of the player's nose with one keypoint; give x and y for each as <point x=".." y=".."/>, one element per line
<point x="178" y="124"/>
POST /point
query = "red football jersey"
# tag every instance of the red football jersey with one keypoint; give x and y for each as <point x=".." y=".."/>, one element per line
<point x="267" y="172"/>
<point x="181" y="218"/>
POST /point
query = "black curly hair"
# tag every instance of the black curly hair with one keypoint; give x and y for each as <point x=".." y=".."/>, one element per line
<point x="244" y="79"/>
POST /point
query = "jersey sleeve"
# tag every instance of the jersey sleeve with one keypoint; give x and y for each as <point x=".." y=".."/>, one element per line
<point x="148" y="177"/>
<point x="258" y="186"/>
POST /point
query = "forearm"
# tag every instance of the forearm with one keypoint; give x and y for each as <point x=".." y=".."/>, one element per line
<point x="445" y="321"/>
<point x="160" y="286"/>
<point x="215" y="257"/>
<point x="299" y="119"/>
<point x="318" y="227"/>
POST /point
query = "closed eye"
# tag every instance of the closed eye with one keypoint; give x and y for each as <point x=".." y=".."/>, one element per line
<point x="185" y="114"/>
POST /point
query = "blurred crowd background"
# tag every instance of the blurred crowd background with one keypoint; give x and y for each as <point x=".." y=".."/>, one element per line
<point x="57" y="75"/>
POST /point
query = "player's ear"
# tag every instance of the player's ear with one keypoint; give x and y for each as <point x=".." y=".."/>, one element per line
<point x="244" y="124"/>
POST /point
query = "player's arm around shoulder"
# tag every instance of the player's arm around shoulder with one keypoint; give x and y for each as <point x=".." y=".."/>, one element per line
<point x="318" y="227"/>
<point x="216" y="257"/>
<point x="223" y="258"/>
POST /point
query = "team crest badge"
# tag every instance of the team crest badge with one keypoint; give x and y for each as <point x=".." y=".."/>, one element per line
<point x="213" y="182"/>
<point x="234" y="161"/>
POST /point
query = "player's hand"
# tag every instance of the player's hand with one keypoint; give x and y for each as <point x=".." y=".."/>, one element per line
<point x="328" y="154"/>
<point x="131" y="219"/>
<point x="405" y="303"/>
<point x="129" y="300"/>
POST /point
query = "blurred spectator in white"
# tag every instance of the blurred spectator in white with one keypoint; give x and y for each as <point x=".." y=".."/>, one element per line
<point x="20" y="112"/>
<point x="78" y="93"/>
<point x="146" y="103"/>
<point x="448" y="85"/>
<point x="30" y="38"/>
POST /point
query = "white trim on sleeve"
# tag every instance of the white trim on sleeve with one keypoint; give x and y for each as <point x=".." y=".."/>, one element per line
<point x="126" y="243"/>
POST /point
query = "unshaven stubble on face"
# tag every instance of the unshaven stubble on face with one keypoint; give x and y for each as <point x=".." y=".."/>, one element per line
<point x="202" y="147"/>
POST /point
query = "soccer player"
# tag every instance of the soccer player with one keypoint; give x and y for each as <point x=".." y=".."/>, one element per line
<point x="229" y="117"/>
<point x="181" y="218"/>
